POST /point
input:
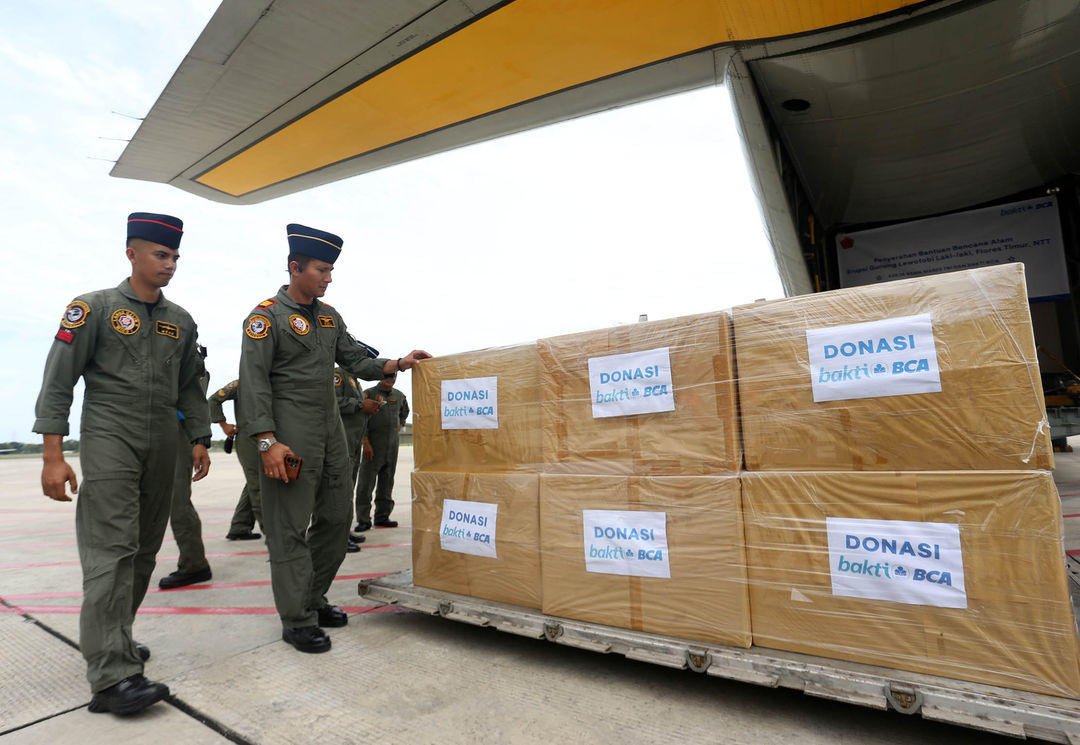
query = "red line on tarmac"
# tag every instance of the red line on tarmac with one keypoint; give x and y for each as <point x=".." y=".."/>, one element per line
<point x="1077" y="515"/>
<point x="184" y="611"/>
<point x="173" y="558"/>
<point x="1074" y="552"/>
<point x="203" y="586"/>
<point x="1068" y="495"/>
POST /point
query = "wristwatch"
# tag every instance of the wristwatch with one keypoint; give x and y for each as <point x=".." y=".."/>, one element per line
<point x="204" y="441"/>
<point x="266" y="443"/>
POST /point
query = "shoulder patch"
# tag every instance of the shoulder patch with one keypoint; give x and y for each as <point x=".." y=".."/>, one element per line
<point x="125" y="321"/>
<point x="65" y="335"/>
<point x="221" y="391"/>
<point x="233" y="384"/>
<point x="167" y="329"/>
<point x="267" y="303"/>
<point x="75" y="314"/>
<point x="337" y="380"/>
<point x="299" y="324"/>
<point x="327" y="322"/>
<point x="258" y="327"/>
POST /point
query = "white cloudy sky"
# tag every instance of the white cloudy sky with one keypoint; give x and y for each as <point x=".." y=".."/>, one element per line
<point x="576" y="226"/>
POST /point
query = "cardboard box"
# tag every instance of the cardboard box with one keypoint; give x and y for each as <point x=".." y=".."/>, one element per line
<point x="704" y="598"/>
<point x="989" y="411"/>
<point x="512" y="574"/>
<point x="697" y="434"/>
<point x="1004" y="618"/>
<point x="512" y="444"/>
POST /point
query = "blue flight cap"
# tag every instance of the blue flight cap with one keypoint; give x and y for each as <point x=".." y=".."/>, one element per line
<point x="317" y="244"/>
<point x="164" y="230"/>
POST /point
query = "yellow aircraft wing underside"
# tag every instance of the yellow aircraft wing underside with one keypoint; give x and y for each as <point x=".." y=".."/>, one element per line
<point x="521" y="51"/>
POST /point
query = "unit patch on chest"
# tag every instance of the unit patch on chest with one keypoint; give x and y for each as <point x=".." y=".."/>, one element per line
<point x="327" y="322"/>
<point x="75" y="314"/>
<point x="299" y="324"/>
<point x="337" y="380"/>
<point x="258" y="327"/>
<point x="167" y="329"/>
<point x="125" y="322"/>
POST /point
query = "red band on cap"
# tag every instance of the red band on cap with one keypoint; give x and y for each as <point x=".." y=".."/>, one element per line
<point x="156" y="222"/>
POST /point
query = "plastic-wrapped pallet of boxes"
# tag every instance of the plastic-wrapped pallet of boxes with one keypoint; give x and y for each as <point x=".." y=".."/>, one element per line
<point x="639" y="495"/>
<point x="896" y="507"/>
<point x="476" y="435"/>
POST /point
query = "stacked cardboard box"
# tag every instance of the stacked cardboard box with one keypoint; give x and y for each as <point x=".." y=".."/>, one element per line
<point x="899" y="514"/>
<point x="653" y="398"/>
<point x="682" y="574"/>
<point x="639" y="499"/>
<point x="476" y="523"/>
<point x="934" y="373"/>
<point x="959" y="574"/>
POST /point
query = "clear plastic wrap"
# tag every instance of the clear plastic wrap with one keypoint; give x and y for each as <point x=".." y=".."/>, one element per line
<point x="698" y="436"/>
<point x="513" y="444"/>
<point x="905" y="520"/>
<point x="1016" y="628"/>
<point x="989" y="413"/>
<point x="703" y="597"/>
<point x="512" y="574"/>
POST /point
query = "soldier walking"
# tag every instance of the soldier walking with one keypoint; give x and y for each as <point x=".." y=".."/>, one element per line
<point x="137" y="355"/>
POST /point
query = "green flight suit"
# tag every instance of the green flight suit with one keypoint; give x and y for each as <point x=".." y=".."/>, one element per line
<point x="350" y="405"/>
<point x="139" y="369"/>
<point x="383" y="433"/>
<point x="183" y="517"/>
<point x="287" y="387"/>
<point x="249" y="508"/>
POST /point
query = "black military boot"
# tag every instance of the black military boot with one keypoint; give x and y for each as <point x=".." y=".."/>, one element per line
<point x="132" y="694"/>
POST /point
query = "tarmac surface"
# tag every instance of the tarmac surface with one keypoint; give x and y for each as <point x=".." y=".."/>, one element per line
<point x="393" y="676"/>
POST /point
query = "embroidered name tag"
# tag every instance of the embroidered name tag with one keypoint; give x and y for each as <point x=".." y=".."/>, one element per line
<point x="327" y="322"/>
<point x="167" y="329"/>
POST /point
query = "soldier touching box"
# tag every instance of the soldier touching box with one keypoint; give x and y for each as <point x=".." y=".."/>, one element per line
<point x="290" y="345"/>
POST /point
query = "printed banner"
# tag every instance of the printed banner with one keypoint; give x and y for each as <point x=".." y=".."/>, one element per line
<point x="469" y="527"/>
<point x="905" y="562"/>
<point x="470" y="403"/>
<point x="894" y="357"/>
<point x="626" y="542"/>
<point x="1028" y="232"/>
<point x="633" y="383"/>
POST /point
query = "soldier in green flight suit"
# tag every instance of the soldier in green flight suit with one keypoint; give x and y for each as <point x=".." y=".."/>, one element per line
<point x="382" y="440"/>
<point x="137" y="355"/>
<point x="354" y="409"/>
<point x="249" y="507"/>
<point x="290" y="345"/>
<point x="191" y="565"/>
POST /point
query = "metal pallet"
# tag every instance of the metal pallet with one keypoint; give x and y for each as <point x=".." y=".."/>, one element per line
<point x="1000" y="710"/>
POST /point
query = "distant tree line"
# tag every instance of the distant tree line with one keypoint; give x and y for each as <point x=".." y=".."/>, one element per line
<point x="8" y="448"/>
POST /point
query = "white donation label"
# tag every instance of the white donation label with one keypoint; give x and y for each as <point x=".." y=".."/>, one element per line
<point x="470" y="403"/>
<point x="905" y="562"/>
<point x="894" y="357"/>
<point x="468" y="527"/>
<point x="626" y="542"/>
<point x="633" y="383"/>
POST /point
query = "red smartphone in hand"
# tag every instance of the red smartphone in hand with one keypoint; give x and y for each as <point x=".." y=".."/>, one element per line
<point x="293" y="464"/>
